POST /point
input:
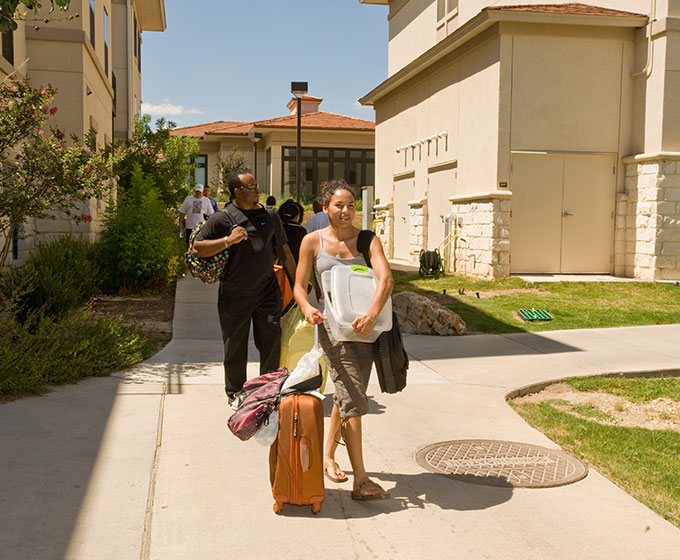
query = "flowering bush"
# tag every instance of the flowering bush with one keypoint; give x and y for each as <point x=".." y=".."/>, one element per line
<point x="41" y="174"/>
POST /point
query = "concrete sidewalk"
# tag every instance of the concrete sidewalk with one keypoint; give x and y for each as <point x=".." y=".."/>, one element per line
<point x="142" y="465"/>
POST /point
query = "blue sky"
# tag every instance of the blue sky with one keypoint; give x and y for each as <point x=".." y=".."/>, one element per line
<point x="234" y="60"/>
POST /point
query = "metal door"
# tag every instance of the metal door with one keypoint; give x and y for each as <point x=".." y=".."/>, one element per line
<point x="403" y="192"/>
<point x="441" y="184"/>
<point x="536" y="224"/>
<point x="562" y="213"/>
<point x="588" y="214"/>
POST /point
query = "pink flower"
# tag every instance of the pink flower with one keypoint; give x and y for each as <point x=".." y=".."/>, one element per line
<point x="41" y="132"/>
<point x="61" y="149"/>
<point x="43" y="92"/>
<point x="53" y="110"/>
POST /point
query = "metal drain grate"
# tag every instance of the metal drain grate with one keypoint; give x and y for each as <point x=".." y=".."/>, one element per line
<point x="501" y="463"/>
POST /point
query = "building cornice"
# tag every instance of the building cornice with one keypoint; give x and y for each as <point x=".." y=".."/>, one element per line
<point x="480" y="23"/>
<point x="486" y="195"/>
<point x="652" y="156"/>
<point x="71" y="36"/>
<point x="151" y="14"/>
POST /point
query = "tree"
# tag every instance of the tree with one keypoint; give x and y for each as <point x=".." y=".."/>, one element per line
<point x="165" y="159"/>
<point x="40" y="174"/>
<point x="9" y="11"/>
<point x="233" y="162"/>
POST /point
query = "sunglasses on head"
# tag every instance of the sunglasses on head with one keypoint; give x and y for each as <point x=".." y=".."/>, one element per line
<point x="250" y="187"/>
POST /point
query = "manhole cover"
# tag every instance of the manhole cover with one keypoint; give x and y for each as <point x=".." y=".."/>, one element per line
<point x="501" y="463"/>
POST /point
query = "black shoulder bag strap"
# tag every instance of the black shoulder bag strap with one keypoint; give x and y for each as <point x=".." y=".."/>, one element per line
<point x="364" y="244"/>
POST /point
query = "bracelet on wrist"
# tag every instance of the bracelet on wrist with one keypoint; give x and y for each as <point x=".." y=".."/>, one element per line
<point x="226" y="243"/>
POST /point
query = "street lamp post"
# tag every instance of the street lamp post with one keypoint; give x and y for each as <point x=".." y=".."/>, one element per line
<point x="255" y="137"/>
<point x="298" y="89"/>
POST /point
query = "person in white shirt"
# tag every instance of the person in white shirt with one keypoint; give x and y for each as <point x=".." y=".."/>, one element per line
<point x="194" y="210"/>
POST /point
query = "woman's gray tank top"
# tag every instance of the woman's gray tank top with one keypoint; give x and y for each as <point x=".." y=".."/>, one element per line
<point x="324" y="261"/>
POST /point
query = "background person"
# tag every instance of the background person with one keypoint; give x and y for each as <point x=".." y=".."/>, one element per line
<point x="193" y="211"/>
<point x="248" y="289"/>
<point x="206" y="193"/>
<point x="349" y="363"/>
<point x="289" y="212"/>
<point x="319" y="219"/>
<point x="270" y="202"/>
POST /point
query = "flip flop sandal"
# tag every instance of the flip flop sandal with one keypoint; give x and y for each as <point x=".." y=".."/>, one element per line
<point x="332" y="467"/>
<point x="368" y="490"/>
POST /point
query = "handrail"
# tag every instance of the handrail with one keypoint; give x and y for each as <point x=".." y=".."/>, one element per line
<point x="453" y="235"/>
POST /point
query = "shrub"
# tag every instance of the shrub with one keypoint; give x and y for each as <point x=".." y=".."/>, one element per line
<point x="55" y="351"/>
<point x="62" y="274"/>
<point x="139" y="237"/>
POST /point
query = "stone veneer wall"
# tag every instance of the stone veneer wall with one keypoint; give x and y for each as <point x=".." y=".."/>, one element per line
<point x="647" y="242"/>
<point x="483" y="246"/>
<point x="417" y="239"/>
<point x="45" y="230"/>
<point x="384" y="227"/>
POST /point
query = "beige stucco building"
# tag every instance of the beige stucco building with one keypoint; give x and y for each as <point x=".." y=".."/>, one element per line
<point x="332" y="146"/>
<point x="92" y="55"/>
<point x="548" y="134"/>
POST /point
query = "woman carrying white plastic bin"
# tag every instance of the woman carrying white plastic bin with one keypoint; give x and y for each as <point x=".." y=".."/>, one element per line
<point x="349" y="363"/>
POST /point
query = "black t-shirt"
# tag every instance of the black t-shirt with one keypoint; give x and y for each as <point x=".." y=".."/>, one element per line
<point x="250" y="267"/>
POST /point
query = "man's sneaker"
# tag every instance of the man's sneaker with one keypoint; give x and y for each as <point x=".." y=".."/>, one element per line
<point x="234" y="401"/>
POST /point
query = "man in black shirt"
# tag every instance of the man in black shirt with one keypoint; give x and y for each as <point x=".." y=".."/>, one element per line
<point x="248" y="289"/>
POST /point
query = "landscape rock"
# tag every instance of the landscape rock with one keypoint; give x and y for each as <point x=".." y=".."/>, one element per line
<point x="420" y="315"/>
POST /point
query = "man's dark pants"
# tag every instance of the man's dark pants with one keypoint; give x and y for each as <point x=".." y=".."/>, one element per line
<point x="236" y="312"/>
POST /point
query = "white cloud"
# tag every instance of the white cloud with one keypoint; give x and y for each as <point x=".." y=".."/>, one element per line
<point x="168" y="109"/>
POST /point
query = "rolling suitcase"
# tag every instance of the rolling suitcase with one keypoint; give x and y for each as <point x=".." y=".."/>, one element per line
<point x="296" y="457"/>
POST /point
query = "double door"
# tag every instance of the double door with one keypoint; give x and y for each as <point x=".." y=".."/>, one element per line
<point x="562" y="213"/>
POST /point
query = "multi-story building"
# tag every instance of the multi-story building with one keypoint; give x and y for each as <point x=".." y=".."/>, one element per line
<point x="546" y="135"/>
<point x="332" y="146"/>
<point x="92" y="55"/>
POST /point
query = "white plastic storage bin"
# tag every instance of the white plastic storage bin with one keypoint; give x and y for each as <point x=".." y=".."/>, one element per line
<point x="348" y="292"/>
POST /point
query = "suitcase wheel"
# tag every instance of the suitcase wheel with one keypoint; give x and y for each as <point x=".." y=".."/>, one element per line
<point x="316" y="508"/>
<point x="278" y="507"/>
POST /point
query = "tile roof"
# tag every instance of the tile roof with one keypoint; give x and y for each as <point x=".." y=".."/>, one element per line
<point x="200" y="129"/>
<point x="321" y="120"/>
<point x="574" y="8"/>
<point x="318" y="120"/>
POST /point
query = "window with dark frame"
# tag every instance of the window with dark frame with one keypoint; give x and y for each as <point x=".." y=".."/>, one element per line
<point x="356" y="166"/>
<point x="139" y="52"/>
<point x="201" y="171"/>
<point x="92" y="36"/>
<point x="15" y="244"/>
<point x="8" y="47"/>
<point x="134" y="36"/>
<point x="106" y="42"/>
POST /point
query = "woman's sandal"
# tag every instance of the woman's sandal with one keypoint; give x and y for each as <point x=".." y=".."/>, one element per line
<point x="333" y="472"/>
<point x="368" y="490"/>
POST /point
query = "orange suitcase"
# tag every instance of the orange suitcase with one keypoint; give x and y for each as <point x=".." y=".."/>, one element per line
<point x="296" y="457"/>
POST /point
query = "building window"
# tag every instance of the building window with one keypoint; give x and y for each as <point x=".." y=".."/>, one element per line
<point x="201" y="171"/>
<point x="317" y="165"/>
<point x="92" y="24"/>
<point x="268" y="171"/>
<point x="15" y="244"/>
<point x="106" y="42"/>
<point x="134" y="36"/>
<point x="446" y="8"/>
<point x="139" y="52"/>
<point x="8" y="46"/>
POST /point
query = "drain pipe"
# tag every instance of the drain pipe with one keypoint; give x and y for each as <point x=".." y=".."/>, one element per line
<point x="650" y="43"/>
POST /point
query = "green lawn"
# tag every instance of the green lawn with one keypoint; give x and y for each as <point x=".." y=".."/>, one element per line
<point x="643" y="462"/>
<point x="574" y="305"/>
